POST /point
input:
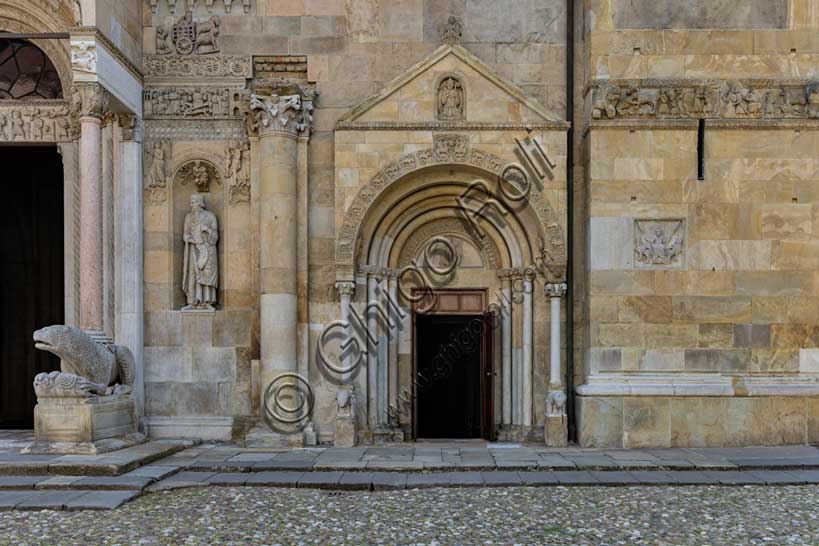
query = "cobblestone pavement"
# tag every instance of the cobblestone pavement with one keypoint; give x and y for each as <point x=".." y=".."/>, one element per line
<point x="592" y="515"/>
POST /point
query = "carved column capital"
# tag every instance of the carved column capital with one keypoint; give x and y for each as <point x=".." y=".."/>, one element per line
<point x="288" y="111"/>
<point x="130" y="127"/>
<point x="90" y="99"/>
<point x="346" y="289"/>
<point x="556" y="290"/>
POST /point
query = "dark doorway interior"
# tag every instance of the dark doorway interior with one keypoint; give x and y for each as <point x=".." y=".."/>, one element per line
<point x="449" y="361"/>
<point x="31" y="273"/>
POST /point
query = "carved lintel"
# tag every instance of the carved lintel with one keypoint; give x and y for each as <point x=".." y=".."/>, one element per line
<point x="90" y="99"/>
<point x="36" y="121"/>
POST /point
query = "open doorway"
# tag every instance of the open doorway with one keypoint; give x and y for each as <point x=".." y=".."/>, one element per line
<point x="31" y="273"/>
<point x="453" y="376"/>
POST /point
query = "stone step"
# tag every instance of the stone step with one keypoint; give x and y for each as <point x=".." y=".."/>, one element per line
<point x="108" y="464"/>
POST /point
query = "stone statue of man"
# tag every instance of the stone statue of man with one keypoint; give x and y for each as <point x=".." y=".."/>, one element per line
<point x="200" y="276"/>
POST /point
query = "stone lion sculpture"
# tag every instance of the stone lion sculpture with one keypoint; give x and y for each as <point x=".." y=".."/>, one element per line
<point x="88" y="368"/>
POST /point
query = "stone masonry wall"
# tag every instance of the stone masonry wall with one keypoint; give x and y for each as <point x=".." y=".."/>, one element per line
<point x="703" y="311"/>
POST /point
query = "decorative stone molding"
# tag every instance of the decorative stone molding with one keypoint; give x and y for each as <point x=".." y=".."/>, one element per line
<point x="449" y="126"/>
<point x="208" y="66"/>
<point x="194" y="130"/>
<point x="36" y="121"/>
<point x="450" y="152"/>
<point x="90" y="99"/>
<point x="237" y="168"/>
<point x="247" y="5"/>
<point x="290" y="113"/>
<point x="681" y="99"/>
<point x="191" y="102"/>
<point x="659" y="243"/>
<point x="200" y="173"/>
<point x="156" y="190"/>
<point x="84" y="56"/>
<point x="187" y="36"/>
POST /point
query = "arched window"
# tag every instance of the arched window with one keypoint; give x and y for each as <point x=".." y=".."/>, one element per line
<point x="26" y="72"/>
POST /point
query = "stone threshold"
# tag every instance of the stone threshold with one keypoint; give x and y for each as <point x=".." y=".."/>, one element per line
<point x="109" y="464"/>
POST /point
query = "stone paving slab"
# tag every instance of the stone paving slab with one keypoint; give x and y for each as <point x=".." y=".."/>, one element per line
<point x="20" y="482"/>
<point x="48" y="500"/>
<point x="101" y="500"/>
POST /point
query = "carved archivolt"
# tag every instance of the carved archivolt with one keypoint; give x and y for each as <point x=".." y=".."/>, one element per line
<point x="448" y="226"/>
<point x="664" y="99"/>
<point x="449" y="150"/>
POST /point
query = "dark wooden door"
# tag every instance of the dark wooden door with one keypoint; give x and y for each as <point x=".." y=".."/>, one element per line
<point x="487" y="377"/>
<point x="31" y="273"/>
<point x="448" y="379"/>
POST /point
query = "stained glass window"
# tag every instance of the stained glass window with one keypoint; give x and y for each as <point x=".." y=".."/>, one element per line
<point x="26" y="72"/>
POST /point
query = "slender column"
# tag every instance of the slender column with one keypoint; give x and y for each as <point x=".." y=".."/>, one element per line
<point x="393" y="354"/>
<point x="108" y="269"/>
<point x="384" y="345"/>
<point x="554" y="292"/>
<point x="280" y="120"/>
<point x="506" y="344"/>
<point x="370" y="313"/>
<point x="526" y="395"/>
<point x="129" y="323"/>
<point x="346" y="290"/>
<point x="92" y="101"/>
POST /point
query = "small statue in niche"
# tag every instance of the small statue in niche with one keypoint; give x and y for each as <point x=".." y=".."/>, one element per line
<point x="163" y="40"/>
<point x="450" y="99"/>
<point x="200" y="177"/>
<point x="200" y="275"/>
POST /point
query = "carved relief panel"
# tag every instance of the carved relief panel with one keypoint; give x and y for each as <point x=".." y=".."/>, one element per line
<point x="192" y="102"/>
<point x="188" y="36"/>
<point x="46" y="121"/>
<point x="659" y="243"/>
<point x="200" y="174"/>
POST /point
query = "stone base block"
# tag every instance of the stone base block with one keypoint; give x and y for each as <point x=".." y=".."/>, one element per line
<point x="381" y="436"/>
<point x="214" y="428"/>
<point x="346" y="433"/>
<point x="555" y="431"/>
<point x="696" y="421"/>
<point x="519" y="433"/>
<point x="85" y="425"/>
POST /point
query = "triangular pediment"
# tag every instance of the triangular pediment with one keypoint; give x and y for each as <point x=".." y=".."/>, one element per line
<point x="413" y="96"/>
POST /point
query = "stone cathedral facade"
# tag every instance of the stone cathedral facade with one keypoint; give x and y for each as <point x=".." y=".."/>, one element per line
<point x="367" y="221"/>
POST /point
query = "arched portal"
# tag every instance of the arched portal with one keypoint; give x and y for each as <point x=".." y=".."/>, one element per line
<point x="36" y="255"/>
<point x="459" y="361"/>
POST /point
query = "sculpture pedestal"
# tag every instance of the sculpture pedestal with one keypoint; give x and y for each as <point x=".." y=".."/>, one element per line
<point x="85" y="425"/>
<point x="555" y="431"/>
<point x="346" y="429"/>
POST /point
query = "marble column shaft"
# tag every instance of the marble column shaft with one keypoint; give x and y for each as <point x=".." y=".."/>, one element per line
<point x="526" y="395"/>
<point x="91" y="302"/>
<point x="554" y="292"/>
<point x="278" y="262"/>
<point x="506" y="349"/>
